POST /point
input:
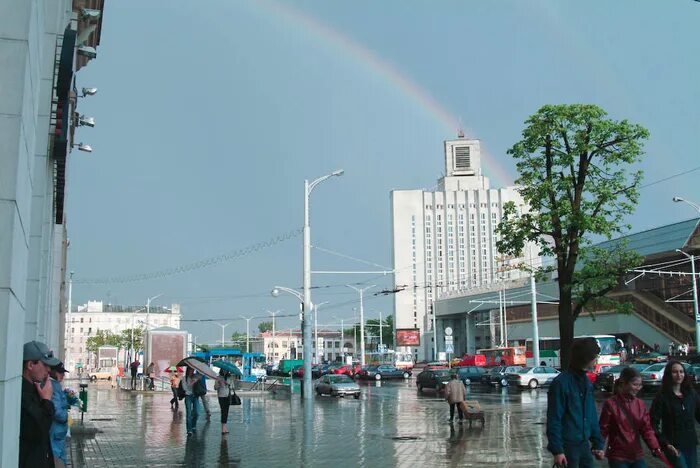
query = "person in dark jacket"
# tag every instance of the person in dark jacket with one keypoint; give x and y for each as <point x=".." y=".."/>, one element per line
<point x="624" y="420"/>
<point x="673" y="414"/>
<point x="572" y="419"/>
<point x="37" y="410"/>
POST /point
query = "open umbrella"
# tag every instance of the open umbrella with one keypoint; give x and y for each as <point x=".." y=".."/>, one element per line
<point x="174" y="369"/>
<point x="225" y="365"/>
<point x="199" y="365"/>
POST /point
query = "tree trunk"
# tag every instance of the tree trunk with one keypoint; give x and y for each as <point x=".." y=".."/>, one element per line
<point x="566" y="325"/>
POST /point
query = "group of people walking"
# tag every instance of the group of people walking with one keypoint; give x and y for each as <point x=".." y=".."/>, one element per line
<point x="192" y="388"/>
<point x="576" y="435"/>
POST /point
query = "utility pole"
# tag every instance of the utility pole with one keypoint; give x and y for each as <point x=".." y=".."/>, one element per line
<point x="316" y="306"/>
<point x="223" y="327"/>
<point x="381" y="331"/>
<point x="69" y="318"/>
<point x="362" y="320"/>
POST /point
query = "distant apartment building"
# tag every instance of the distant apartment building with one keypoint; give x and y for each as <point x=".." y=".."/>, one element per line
<point x="444" y="240"/>
<point x="287" y="344"/>
<point x="86" y="320"/>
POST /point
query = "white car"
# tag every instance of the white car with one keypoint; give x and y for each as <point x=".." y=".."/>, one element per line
<point x="532" y="377"/>
<point x="101" y="374"/>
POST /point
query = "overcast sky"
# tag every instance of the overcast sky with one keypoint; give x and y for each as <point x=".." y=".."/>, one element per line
<point x="211" y="114"/>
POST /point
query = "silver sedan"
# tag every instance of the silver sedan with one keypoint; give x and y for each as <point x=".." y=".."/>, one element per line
<point x="337" y="385"/>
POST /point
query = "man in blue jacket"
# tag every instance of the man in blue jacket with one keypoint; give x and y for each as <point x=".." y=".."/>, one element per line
<point x="572" y="420"/>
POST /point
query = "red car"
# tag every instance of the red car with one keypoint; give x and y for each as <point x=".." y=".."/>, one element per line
<point x="344" y="369"/>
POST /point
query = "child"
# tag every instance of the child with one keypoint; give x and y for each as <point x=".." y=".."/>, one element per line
<point x="623" y="420"/>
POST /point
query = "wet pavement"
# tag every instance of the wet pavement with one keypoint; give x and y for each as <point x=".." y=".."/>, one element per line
<point x="391" y="425"/>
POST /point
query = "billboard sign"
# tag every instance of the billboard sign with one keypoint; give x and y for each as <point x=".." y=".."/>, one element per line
<point x="407" y="337"/>
<point x="165" y="347"/>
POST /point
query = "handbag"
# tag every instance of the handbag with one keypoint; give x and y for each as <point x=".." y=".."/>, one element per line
<point x="233" y="399"/>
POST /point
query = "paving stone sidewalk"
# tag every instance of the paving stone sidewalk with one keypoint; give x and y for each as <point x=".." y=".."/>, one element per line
<point x="390" y="426"/>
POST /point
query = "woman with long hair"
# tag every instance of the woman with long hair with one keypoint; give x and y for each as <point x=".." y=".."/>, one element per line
<point x="223" y="388"/>
<point x="673" y="414"/>
<point x="624" y="420"/>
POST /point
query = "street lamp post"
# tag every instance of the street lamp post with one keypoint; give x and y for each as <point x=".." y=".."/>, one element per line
<point x="223" y="327"/>
<point x="316" y="306"/>
<point x="247" y="333"/>
<point x="148" y="309"/>
<point x="695" y="283"/>
<point x="362" y="320"/>
<point x="306" y="323"/>
<point x="305" y="343"/>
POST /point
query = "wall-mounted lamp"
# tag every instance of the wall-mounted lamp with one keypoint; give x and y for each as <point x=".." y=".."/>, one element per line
<point x="88" y="14"/>
<point x="86" y="121"/>
<point x="83" y="147"/>
<point x="87" y="51"/>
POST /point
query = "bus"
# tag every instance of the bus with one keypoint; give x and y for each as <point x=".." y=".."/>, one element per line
<point x="506" y="356"/>
<point x="550" y="350"/>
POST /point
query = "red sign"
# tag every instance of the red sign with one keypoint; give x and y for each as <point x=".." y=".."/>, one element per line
<point x="407" y="337"/>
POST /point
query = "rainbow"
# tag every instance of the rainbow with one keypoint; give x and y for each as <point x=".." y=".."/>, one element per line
<point x="372" y="63"/>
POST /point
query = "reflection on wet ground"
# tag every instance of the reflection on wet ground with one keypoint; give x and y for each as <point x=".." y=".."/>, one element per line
<point x="391" y="425"/>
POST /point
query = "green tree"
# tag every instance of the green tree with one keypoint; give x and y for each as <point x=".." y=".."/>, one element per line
<point x="264" y="326"/>
<point x="125" y="339"/>
<point x="238" y="340"/>
<point x="575" y="175"/>
<point x="387" y="329"/>
<point x="102" y="338"/>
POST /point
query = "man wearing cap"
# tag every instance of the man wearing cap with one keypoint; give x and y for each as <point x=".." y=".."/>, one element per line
<point x="37" y="409"/>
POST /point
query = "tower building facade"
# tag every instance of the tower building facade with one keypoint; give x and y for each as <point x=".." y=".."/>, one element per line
<point x="444" y="241"/>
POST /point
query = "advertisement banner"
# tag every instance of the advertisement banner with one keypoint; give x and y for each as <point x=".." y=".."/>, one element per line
<point x="407" y="337"/>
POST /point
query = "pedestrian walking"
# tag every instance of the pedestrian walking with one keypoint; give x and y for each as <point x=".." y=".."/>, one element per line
<point x="572" y="420"/>
<point x="191" y="406"/>
<point x="455" y="394"/>
<point x="59" y="427"/>
<point x="134" y="368"/>
<point x="671" y="348"/>
<point x="624" y="420"/>
<point x="673" y="414"/>
<point x="205" y="398"/>
<point x="151" y="373"/>
<point x="37" y="410"/>
<point x="223" y="388"/>
<point x="174" y="383"/>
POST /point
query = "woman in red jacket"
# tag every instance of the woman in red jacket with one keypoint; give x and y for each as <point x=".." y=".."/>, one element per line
<point x="624" y="421"/>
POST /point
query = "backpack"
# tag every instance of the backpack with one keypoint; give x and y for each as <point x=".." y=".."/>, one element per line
<point x="199" y="389"/>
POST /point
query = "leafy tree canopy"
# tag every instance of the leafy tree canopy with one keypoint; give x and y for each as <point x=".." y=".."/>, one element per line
<point x="576" y="178"/>
<point x="264" y="326"/>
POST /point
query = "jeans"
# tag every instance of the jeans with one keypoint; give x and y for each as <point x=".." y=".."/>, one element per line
<point x="688" y="458"/>
<point x="205" y="404"/>
<point x="192" y="412"/>
<point x="579" y="456"/>
<point x="224" y="404"/>
<point x="459" y="411"/>
<point x="625" y="464"/>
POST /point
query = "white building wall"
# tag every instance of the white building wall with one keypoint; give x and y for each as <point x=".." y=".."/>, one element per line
<point x="28" y="30"/>
<point x="444" y="240"/>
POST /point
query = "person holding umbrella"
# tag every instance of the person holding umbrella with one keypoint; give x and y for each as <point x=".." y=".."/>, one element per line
<point x="223" y="391"/>
<point x="191" y="411"/>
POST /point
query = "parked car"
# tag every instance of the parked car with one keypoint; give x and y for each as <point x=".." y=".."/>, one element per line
<point x="298" y="371"/>
<point x="649" y="358"/>
<point x="532" y="377"/>
<point x="497" y="375"/>
<point x="384" y="372"/>
<point x="470" y="374"/>
<point x="101" y="374"/>
<point x="606" y="379"/>
<point x="433" y="378"/>
<point x="337" y="385"/>
<point x="319" y="369"/>
<point x="344" y="369"/>
<point x="652" y="375"/>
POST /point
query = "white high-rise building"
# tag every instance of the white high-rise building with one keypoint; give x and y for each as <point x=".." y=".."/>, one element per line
<point x="445" y="241"/>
